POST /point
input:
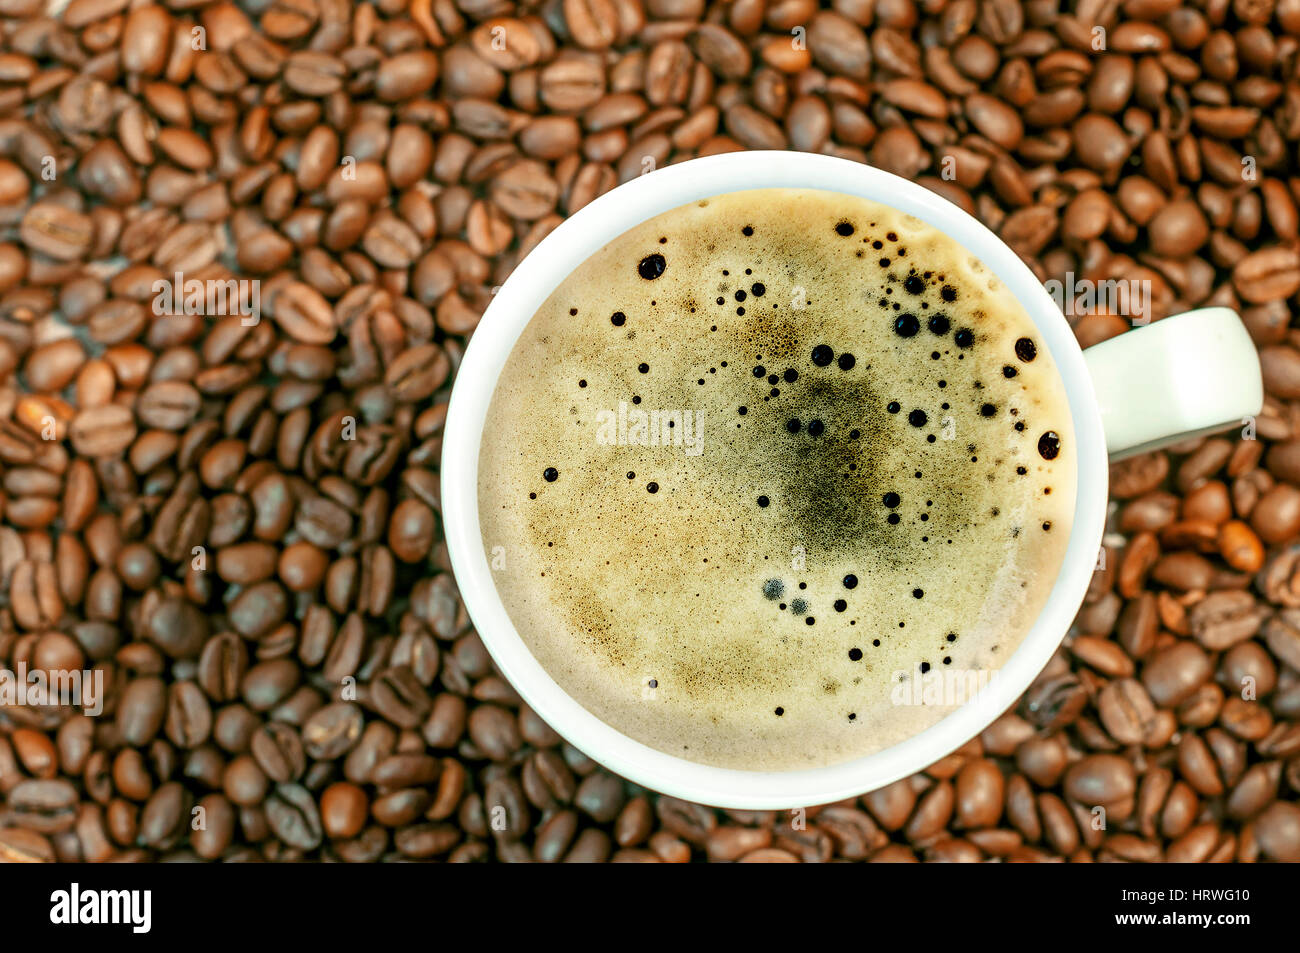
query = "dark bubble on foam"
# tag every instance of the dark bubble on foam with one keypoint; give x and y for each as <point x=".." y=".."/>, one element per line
<point x="1026" y="350"/>
<point x="652" y="266"/>
<point x="906" y="325"/>
<point x="1049" y="445"/>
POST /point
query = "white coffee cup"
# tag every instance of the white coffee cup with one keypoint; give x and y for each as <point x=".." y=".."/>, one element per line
<point x="1191" y="374"/>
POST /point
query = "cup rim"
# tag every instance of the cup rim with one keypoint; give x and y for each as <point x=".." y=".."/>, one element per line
<point x="514" y="305"/>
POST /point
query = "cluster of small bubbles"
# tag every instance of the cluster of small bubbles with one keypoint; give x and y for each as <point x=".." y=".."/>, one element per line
<point x="906" y="324"/>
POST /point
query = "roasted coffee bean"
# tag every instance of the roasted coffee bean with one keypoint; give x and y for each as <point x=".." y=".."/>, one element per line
<point x="293" y="817"/>
<point x="343" y="810"/>
<point x="279" y="752"/>
<point x="57" y="231"/>
<point x="332" y="731"/>
<point x="45" y="807"/>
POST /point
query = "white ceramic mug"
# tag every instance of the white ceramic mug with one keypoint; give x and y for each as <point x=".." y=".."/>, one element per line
<point x="1194" y="373"/>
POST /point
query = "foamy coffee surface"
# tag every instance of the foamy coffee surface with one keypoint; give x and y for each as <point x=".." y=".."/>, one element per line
<point x="762" y="454"/>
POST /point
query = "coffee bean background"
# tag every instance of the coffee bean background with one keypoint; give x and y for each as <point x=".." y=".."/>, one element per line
<point x="239" y="525"/>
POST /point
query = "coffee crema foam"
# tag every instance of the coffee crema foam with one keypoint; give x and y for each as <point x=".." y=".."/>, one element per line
<point x="882" y="478"/>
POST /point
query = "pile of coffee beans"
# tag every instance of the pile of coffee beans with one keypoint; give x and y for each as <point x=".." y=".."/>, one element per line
<point x="231" y="515"/>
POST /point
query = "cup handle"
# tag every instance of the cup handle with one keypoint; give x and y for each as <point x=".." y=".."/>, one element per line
<point x="1190" y="374"/>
